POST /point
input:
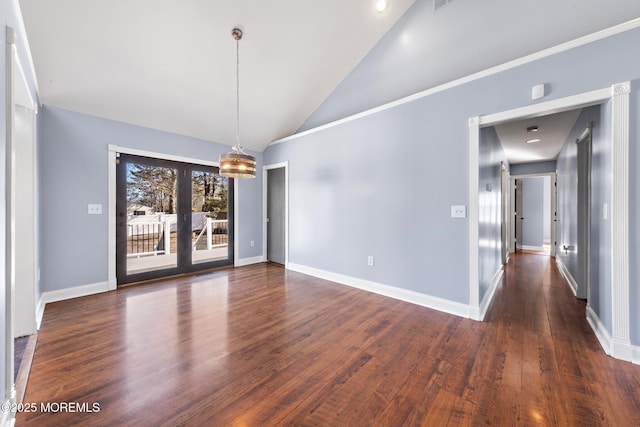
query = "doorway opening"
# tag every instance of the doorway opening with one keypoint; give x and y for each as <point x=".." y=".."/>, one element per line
<point x="532" y="206"/>
<point x="613" y="276"/>
<point x="275" y="208"/>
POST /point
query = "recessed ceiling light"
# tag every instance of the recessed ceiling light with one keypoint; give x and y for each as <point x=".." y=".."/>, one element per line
<point x="381" y="5"/>
<point x="531" y="141"/>
<point x="533" y="128"/>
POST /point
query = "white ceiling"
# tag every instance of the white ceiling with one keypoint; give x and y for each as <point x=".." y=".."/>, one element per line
<point x="170" y="65"/>
<point x="553" y="131"/>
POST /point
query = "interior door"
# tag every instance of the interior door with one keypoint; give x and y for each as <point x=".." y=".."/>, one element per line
<point x="172" y="218"/>
<point x="276" y="215"/>
<point x="518" y="218"/>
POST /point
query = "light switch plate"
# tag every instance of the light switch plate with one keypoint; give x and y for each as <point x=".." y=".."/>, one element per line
<point x="458" y="211"/>
<point x="93" y="209"/>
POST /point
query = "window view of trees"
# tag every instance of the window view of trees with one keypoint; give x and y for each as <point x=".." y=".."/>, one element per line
<point x="152" y="186"/>
<point x="209" y="194"/>
<point x="156" y="188"/>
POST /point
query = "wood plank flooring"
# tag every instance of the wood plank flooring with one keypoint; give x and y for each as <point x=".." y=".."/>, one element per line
<point x="262" y="346"/>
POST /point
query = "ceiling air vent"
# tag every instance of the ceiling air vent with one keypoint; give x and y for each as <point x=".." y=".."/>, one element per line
<point x="437" y="4"/>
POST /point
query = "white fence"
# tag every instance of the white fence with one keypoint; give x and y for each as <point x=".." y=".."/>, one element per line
<point x="150" y="235"/>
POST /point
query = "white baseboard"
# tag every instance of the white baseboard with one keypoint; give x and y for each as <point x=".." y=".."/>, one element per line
<point x="532" y="248"/>
<point x="406" y="295"/>
<point x="604" y="337"/>
<point x="478" y="313"/>
<point x="635" y="358"/>
<point x="613" y="347"/>
<point x="241" y="262"/>
<point x="567" y="275"/>
<point x="8" y="418"/>
<point x="40" y="312"/>
<point x="75" y="292"/>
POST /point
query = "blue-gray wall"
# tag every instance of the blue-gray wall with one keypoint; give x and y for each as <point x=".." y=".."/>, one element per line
<point x="533" y="168"/>
<point x="599" y="297"/>
<point x="600" y="292"/>
<point x="406" y="165"/>
<point x="532" y="190"/>
<point x="8" y="17"/>
<point x="74" y="172"/>
<point x="491" y="157"/>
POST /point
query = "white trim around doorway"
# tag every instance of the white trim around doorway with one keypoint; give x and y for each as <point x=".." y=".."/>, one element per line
<point x="618" y="94"/>
<point x="265" y="169"/>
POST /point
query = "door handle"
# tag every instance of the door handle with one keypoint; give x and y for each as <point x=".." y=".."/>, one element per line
<point x="521" y="217"/>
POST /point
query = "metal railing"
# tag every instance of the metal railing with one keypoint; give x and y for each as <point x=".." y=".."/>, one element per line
<point x="149" y="238"/>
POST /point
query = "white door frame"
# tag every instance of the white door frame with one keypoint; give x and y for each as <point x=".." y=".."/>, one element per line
<point x="552" y="207"/>
<point x="619" y="346"/>
<point x="505" y="203"/>
<point x="265" y="177"/>
<point x="18" y="95"/>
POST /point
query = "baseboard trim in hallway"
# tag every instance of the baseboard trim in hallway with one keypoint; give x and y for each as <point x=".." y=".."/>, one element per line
<point x="621" y="351"/>
<point x="481" y="312"/>
<point x="567" y="276"/>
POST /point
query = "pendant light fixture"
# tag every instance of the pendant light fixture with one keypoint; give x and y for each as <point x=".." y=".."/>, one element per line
<point x="237" y="163"/>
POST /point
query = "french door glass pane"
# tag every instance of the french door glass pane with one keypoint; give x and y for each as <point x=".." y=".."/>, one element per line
<point x="209" y="217"/>
<point x="152" y="201"/>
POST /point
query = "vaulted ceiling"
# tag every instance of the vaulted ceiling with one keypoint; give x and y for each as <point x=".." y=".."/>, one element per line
<point x="170" y="65"/>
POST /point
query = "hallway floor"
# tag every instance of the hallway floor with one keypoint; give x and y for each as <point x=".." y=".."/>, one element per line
<point x="262" y="346"/>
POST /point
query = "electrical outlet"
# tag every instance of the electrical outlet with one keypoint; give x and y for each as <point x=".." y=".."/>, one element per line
<point x="459" y="211"/>
<point x="253" y="243"/>
<point x="94" y="209"/>
<point x="370" y="260"/>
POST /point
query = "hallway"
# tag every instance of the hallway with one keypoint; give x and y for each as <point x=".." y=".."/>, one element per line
<point x="261" y="346"/>
<point x="552" y="359"/>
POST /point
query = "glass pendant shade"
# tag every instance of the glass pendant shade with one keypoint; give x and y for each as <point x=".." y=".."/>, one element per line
<point x="237" y="165"/>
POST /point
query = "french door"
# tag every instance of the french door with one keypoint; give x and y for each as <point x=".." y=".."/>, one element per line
<point x="172" y="218"/>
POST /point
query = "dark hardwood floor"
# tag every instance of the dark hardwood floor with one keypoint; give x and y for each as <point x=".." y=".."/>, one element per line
<point x="261" y="346"/>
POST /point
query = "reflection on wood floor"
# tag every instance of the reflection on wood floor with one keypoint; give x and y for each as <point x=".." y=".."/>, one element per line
<point x="261" y="346"/>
